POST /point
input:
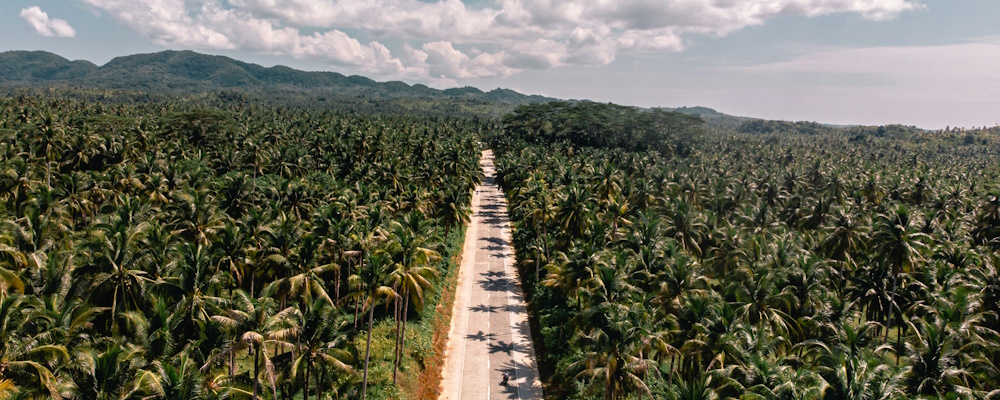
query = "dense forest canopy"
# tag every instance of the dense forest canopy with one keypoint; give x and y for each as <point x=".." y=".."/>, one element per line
<point x="217" y="247"/>
<point x="775" y="260"/>
<point x="589" y="124"/>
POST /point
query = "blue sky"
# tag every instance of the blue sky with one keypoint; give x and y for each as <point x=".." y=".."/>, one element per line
<point x="929" y="63"/>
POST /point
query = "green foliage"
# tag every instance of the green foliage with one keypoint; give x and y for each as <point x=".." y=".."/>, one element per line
<point x="777" y="260"/>
<point x="212" y="247"/>
<point x="587" y="124"/>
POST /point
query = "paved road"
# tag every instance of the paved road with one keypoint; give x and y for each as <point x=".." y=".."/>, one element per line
<point x="489" y="325"/>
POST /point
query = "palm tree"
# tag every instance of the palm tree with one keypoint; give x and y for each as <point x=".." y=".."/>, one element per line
<point x="304" y="280"/>
<point x="686" y="228"/>
<point x="195" y="284"/>
<point x="371" y="285"/>
<point x="617" y="352"/>
<point x="117" y="370"/>
<point x="414" y="268"/>
<point x="320" y="341"/>
<point x="253" y="324"/>
<point x="573" y="211"/>
<point x="179" y="378"/>
<point x="900" y="247"/>
<point x="454" y="208"/>
<point x="936" y="360"/>
<point x="27" y="356"/>
<point x="112" y="268"/>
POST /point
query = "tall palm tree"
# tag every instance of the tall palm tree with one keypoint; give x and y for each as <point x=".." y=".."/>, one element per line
<point x="253" y="324"/>
<point x="371" y="284"/>
<point x="414" y="267"/>
<point x="320" y="343"/>
<point x="900" y="246"/>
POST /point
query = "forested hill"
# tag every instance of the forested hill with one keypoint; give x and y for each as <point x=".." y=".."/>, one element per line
<point x="187" y="71"/>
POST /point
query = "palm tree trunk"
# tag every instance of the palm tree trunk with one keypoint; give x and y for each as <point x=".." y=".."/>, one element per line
<point x="256" y="371"/>
<point x="368" y="351"/>
<point x="319" y="385"/>
<point x="357" y="300"/>
<point x="395" y="361"/>
<point x="899" y="342"/>
<point x="305" y="386"/>
<point x="892" y="297"/>
<point x="608" y="393"/>
<point x="402" y="336"/>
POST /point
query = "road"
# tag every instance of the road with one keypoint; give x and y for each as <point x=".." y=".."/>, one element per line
<point x="489" y="325"/>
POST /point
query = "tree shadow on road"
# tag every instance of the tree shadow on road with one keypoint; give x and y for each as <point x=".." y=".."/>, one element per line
<point x="509" y="391"/>
<point x="494" y="284"/>
<point x="480" y="336"/>
<point x="486" y="309"/>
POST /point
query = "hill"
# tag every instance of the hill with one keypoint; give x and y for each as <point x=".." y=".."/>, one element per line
<point x="189" y="72"/>
<point x="713" y="117"/>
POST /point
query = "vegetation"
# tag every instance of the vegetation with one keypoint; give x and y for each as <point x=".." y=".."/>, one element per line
<point x="766" y="260"/>
<point x="187" y="72"/>
<point x="214" y="247"/>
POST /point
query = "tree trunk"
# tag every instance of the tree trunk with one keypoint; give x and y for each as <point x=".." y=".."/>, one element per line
<point x="402" y="336"/>
<point x="336" y="286"/>
<point x="256" y="371"/>
<point x="368" y="351"/>
<point x="305" y="386"/>
<point x="395" y="361"/>
<point x="608" y="393"/>
<point x="357" y="301"/>
<point x="892" y="301"/>
<point x="319" y="385"/>
<point x="899" y="342"/>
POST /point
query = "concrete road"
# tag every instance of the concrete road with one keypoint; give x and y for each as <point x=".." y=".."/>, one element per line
<point x="489" y="325"/>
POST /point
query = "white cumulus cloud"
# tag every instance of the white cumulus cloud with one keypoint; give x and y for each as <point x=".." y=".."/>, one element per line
<point x="450" y="39"/>
<point x="45" y="26"/>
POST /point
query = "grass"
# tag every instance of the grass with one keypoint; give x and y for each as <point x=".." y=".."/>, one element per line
<point x="420" y="369"/>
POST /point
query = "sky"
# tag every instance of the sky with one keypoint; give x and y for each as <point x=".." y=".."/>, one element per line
<point x="927" y="63"/>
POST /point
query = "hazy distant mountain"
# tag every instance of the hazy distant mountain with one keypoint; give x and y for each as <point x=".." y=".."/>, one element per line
<point x="187" y="71"/>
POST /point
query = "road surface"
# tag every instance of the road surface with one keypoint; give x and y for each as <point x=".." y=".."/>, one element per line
<point x="489" y="325"/>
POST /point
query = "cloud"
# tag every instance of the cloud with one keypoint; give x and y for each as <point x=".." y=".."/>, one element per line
<point x="964" y="71"/>
<point x="451" y="39"/>
<point x="45" y="26"/>
<point x="930" y="86"/>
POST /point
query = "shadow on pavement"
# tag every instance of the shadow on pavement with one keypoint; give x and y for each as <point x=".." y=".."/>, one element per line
<point x="480" y="336"/>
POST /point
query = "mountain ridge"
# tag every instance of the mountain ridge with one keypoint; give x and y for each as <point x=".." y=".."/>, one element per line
<point x="186" y="71"/>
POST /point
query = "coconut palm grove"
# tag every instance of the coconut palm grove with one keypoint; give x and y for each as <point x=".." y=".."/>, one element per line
<point x="220" y="246"/>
